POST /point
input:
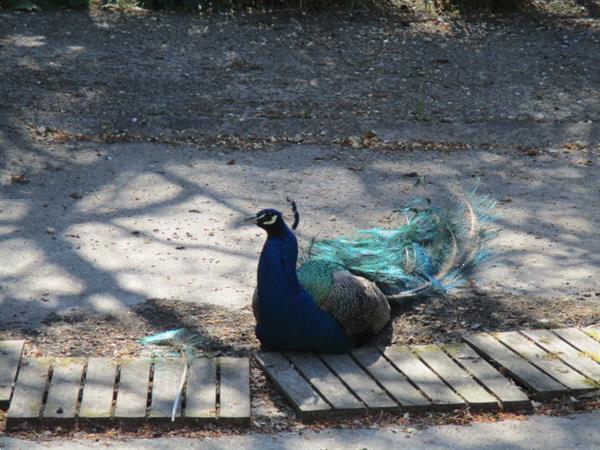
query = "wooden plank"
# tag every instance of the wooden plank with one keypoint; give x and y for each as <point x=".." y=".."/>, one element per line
<point x="593" y="331"/>
<point x="545" y="361"/>
<point x="359" y="382"/>
<point x="417" y="372"/>
<point x="570" y="355"/>
<point x="165" y="385"/>
<point x="305" y="400"/>
<point x="510" y="395"/>
<point x="234" y="391"/>
<point x="455" y="376"/>
<point x="132" y="395"/>
<point x="325" y="382"/>
<point x="26" y="403"/>
<point x="392" y="381"/>
<point x="63" y="391"/>
<point x="98" y="389"/>
<point x="580" y="341"/>
<point x="201" y="390"/>
<point x="519" y="368"/>
<point x="10" y="356"/>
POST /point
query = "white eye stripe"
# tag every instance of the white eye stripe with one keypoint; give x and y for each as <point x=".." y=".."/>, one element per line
<point x="261" y="216"/>
<point x="271" y="221"/>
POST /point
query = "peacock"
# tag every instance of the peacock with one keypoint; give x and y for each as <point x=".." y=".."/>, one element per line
<point x="338" y="292"/>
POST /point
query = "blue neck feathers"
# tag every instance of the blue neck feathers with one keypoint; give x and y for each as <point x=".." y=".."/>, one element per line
<point x="289" y="318"/>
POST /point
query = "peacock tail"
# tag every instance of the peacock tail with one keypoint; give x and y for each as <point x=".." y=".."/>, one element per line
<point x="432" y="251"/>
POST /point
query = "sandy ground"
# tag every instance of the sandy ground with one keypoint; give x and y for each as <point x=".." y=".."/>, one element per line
<point x="575" y="431"/>
<point x="100" y="227"/>
<point x="131" y="147"/>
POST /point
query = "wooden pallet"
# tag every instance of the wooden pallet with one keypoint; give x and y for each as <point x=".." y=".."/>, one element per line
<point x="544" y="362"/>
<point x="478" y="374"/>
<point x="95" y="390"/>
<point x="395" y="379"/>
<point x="547" y="362"/>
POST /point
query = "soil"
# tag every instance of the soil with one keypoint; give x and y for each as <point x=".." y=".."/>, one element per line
<point x="230" y="332"/>
<point x="184" y="78"/>
<point x="74" y="84"/>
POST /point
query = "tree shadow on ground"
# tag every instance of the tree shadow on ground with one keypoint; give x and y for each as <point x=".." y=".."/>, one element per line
<point x="110" y="199"/>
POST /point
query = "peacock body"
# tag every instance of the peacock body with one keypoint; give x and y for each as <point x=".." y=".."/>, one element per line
<point x="340" y="290"/>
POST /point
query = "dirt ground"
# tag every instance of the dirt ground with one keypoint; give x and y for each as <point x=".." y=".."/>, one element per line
<point x="231" y="332"/>
<point x="129" y="143"/>
<point x="170" y="77"/>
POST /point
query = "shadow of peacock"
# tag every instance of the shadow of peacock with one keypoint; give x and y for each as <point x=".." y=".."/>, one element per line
<point x="340" y="292"/>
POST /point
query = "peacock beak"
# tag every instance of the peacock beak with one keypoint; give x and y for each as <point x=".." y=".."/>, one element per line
<point x="251" y="219"/>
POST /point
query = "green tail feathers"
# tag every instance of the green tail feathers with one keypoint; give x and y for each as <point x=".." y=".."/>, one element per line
<point x="432" y="251"/>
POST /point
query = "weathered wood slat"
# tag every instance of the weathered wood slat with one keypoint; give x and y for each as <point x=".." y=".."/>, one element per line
<point x="132" y="395"/>
<point x="510" y="395"/>
<point x="580" y="341"/>
<point x="304" y="398"/>
<point x="165" y="384"/>
<point x="593" y="331"/>
<point x="330" y="387"/>
<point x="360" y="383"/>
<point x="10" y="356"/>
<point x="392" y="381"/>
<point x="423" y="377"/>
<point x="98" y="389"/>
<point x="201" y="390"/>
<point x="26" y="403"/>
<point x="545" y="361"/>
<point x="454" y="375"/>
<point x="573" y="357"/>
<point x="519" y="368"/>
<point x="63" y="390"/>
<point x="234" y="389"/>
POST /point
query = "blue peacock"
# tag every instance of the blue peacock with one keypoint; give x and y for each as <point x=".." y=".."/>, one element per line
<point x="338" y="293"/>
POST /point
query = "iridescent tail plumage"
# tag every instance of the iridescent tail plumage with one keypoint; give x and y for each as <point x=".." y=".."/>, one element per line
<point x="432" y="251"/>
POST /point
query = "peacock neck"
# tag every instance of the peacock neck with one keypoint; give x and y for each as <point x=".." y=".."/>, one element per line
<point x="277" y="277"/>
<point x="287" y="246"/>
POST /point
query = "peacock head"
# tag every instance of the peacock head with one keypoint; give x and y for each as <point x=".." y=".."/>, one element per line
<point x="271" y="220"/>
<point x="268" y="219"/>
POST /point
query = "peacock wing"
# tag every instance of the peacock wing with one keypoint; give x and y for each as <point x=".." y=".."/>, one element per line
<point x="357" y="303"/>
<point x="316" y="277"/>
